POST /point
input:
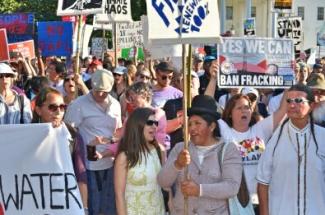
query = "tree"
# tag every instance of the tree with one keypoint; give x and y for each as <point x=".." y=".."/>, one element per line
<point x="10" y="6"/>
<point x="138" y="8"/>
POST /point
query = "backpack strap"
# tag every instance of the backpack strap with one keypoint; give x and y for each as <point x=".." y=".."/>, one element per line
<point x="21" y="106"/>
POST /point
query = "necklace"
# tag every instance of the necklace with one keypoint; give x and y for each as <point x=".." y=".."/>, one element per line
<point x="299" y="157"/>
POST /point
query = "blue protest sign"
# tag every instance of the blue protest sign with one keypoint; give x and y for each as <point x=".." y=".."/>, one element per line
<point x="19" y="26"/>
<point x="55" y="38"/>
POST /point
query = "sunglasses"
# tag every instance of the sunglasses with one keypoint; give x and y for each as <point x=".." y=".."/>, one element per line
<point x="54" y="107"/>
<point x="296" y="100"/>
<point x="152" y="122"/>
<point x="6" y="75"/>
<point x="164" y="77"/>
<point x="144" y="77"/>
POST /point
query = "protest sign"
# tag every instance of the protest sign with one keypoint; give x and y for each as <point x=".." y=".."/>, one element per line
<point x="290" y="27"/>
<point x="26" y="48"/>
<point x="101" y="25"/>
<point x="55" y="38"/>
<point x="283" y="4"/>
<point x="98" y="46"/>
<point x="86" y="34"/>
<point x="77" y="7"/>
<point x="249" y="27"/>
<point x="115" y="11"/>
<point x="321" y="36"/>
<point x="185" y="21"/>
<point x="4" y="52"/>
<point x="129" y="34"/>
<point x="36" y="172"/>
<point x="19" y="26"/>
<point x="256" y="62"/>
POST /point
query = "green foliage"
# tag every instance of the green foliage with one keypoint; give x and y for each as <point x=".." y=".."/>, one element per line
<point x="138" y="8"/>
<point x="10" y="6"/>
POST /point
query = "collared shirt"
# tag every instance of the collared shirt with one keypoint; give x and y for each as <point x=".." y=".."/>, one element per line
<point x="295" y="177"/>
<point x="94" y="120"/>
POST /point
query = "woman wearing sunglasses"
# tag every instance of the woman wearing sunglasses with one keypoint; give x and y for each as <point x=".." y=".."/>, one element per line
<point x="73" y="86"/>
<point x="50" y="108"/>
<point x="137" y="165"/>
<point x="14" y="108"/>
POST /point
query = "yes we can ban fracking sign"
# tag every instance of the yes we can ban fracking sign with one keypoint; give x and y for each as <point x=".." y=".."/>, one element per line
<point x="36" y="173"/>
<point x="184" y="21"/>
<point x="256" y="62"/>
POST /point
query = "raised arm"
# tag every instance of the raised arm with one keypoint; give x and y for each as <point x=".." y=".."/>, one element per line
<point x="212" y="86"/>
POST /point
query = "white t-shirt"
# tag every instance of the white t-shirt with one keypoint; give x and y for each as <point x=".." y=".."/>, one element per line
<point x="278" y="168"/>
<point x="92" y="120"/>
<point x="251" y="145"/>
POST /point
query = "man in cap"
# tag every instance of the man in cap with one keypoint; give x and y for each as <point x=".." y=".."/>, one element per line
<point x="97" y="115"/>
<point x="163" y="91"/>
<point x="14" y="108"/>
<point x="316" y="82"/>
<point x="198" y="65"/>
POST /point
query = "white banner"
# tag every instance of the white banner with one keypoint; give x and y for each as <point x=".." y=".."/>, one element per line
<point x="115" y="11"/>
<point x="291" y="28"/>
<point x="77" y="7"/>
<point x="129" y="34"/>
<point x="184" y="21"/>
<point x="87" y="31"/>
<point x="36" y="173"/>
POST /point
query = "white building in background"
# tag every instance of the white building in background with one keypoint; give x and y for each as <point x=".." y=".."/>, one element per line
<point x="234" y="12"/>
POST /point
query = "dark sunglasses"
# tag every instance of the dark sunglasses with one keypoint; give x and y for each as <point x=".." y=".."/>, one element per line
<point x="144" y="77"/>
<point x="296" y="100"/>
<point x="54" y="107"/>
<point x="164" y="77"/>
<point x="6" y="75"/>
<point x="152" y="122"/>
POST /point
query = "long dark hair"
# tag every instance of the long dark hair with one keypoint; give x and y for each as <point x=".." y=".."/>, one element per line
<point x="133" y="143"/>
<point x="310" y="98"/>
<point x="40" y="99"/>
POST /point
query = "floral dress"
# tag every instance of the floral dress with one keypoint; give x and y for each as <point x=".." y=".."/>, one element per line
<point x="143" y="194"/>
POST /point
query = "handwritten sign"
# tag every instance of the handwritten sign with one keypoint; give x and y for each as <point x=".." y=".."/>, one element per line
<point x="55" y="38"/>
<point x="19" y="26"/>
<point x="291" y="27"/>
<point x="176" y="22"/>
<point x="256" y="62"/>
<point x="38" y="178"/>
<point x="98" y="46"/>
<point x="26" y="48"/>
<point x="4" y="52"/>
<point x="77" y="7"/>
<point x="129" y="35"/>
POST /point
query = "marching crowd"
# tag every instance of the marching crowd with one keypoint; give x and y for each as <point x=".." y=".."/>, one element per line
<point x="126" y="122"/>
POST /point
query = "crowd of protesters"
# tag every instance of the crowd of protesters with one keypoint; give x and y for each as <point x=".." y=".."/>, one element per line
<point x="126" y="121"/>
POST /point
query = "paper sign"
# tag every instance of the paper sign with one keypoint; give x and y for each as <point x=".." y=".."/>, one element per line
<point x="129" y="34"/>
<point x="26" y="48"/>
<point x="256" y="62"/>
<point x="249" y="27"/>
<point x="290" y="27"/>
<point x="55" y="38"/>
<point x="98" y="46"/>
<point x="4" y="51"/>
<point x="115" y="11"/>
<point x="77" y="7"/>
<point x="37" y="177"/>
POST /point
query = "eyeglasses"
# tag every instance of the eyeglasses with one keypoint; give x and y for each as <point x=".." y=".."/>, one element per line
<point x="54" y="107"/>
<point x="144" y="77"/>
<point x="296" y="100"/>
<point x="6" y="75"/>
<point x="164" y="77"/>
<point x="152" y="122"/>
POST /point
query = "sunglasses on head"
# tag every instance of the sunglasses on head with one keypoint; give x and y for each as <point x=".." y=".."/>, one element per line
<point x="296" y="100"/>
<point x="54" y="107"/>
<point x="6" y="75"/>
<point x="152" y="122"/>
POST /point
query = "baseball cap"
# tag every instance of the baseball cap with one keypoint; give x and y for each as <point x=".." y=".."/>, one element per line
<point x="6" y="69"/>
<point x="249" y="90"/>
<point x="102" y="80"/>
<point x="120" y="70"/>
